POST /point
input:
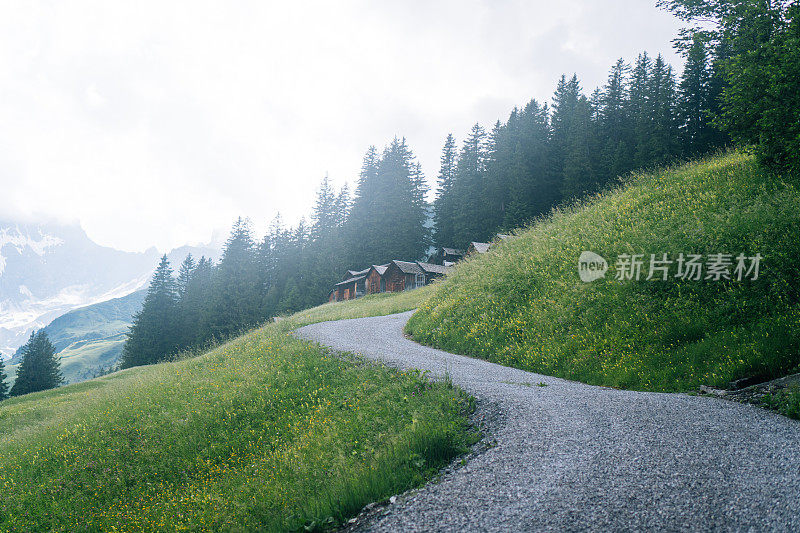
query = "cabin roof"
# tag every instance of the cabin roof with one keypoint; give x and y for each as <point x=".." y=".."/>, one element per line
<point x="354" y="273"/>
<point x="452" y="251"/>
<point x="408" y="267"/>
<point x="435" y="269"/>
<point x="350" y="280"/>
<point x="480" y="247"/>
<point x="380" y="269"/>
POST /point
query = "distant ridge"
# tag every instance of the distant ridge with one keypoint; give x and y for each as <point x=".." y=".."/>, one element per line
<point x="90" y="338"/>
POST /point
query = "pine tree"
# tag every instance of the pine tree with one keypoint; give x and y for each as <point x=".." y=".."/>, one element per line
<point x="40" y="368"/>
<point x="468" y="188"/>
<point x="578" y="174"/>
<point x="639" y="111"/>
<point x="325" y="216"/>
<point x="388" y="215"/>
<point x="154" y="334"/>
<point x="444" y="213"/>
<point x="237" y="294"/>
<point x="185" y="275"/>
<point x="3" y="384"/>
<point x="663" y="143"/>
<point x="614" y="124"/>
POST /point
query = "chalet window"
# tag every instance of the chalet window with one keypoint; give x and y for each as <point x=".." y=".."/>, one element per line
<point x="419" y="280"/>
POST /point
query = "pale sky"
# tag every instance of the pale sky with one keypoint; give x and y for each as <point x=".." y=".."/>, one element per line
<point x="155" y="123"/>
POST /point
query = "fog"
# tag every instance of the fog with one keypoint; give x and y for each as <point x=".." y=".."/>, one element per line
<point x="155" y="123"/>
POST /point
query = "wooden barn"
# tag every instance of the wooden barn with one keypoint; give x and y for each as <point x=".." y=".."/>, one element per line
<point x="391" y="277"/>
<point x="478" y="247"/>
<point x="447" y="256"/>
<point x="352" y="286"/>
<point x="432" y="271"/>
<point x="375" y="281"/>
<point x="403" y="276"/>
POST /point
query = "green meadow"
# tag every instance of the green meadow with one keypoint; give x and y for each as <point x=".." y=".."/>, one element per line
<point x="523" y="304"/>
<point x="265" y="432"/>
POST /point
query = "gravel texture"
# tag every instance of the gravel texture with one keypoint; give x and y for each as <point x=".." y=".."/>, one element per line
<point x="573" y="457"/>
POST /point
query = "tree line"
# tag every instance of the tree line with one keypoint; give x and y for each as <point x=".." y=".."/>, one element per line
<point x="545" y="155"/>
<point x="290" y="268"/>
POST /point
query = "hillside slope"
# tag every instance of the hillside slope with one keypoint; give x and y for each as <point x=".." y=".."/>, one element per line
<point x="523" y="303"/>
<point x="91" y="337"/>
<point x="264" y="433"/>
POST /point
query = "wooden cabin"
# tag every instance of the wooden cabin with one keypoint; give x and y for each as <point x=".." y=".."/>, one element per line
<point x="478" y="247"/>
<point x="432" y="271"/>
<point x="375" y="281"/>
<point x="351" y="287"/>
<point x="446" y="256"/>
<point x="403" y="276"/>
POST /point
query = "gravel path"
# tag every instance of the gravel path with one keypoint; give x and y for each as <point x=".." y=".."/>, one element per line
<point x="573" y="457"/>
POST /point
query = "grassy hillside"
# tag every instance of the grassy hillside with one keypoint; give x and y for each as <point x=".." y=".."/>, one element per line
<point x="523" y="304"/>
<point x="91" y="337"/>
<point x="263" y="433"/>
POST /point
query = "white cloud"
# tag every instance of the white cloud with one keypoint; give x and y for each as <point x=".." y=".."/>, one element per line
<point x="155" y="122"/>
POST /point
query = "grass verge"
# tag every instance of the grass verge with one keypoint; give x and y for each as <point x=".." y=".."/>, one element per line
<point x="265" y="432"/>
<point x="523" y="304"/>
<point x="785" y="401"/>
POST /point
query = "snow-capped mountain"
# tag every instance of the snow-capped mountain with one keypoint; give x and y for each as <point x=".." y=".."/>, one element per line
<point x="49" y="269"/>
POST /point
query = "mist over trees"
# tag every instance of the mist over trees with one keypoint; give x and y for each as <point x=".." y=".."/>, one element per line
<point x="289" y="268"/>
<point x="543" y="155"/>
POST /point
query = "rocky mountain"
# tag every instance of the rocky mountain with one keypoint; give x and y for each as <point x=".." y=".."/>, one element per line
<point x="49" y="269"/>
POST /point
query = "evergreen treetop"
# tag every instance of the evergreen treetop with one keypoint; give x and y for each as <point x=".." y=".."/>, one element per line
<point x="40" y="368"/>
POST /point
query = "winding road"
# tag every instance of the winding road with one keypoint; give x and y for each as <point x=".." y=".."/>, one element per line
<point x="573" y="457"/>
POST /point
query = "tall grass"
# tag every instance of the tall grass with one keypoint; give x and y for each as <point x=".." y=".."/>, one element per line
<point x="265" y="432"/>
<point x="523" y="304"/>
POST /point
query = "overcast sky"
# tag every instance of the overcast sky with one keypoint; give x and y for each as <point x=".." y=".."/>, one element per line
<point x="154" y="123"/>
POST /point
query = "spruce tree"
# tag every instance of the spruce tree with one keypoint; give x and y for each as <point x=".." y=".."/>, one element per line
<point x="155" y="333"/>
<point x="662" y="145"/>
<point x="387" y="218"/>
<point x="522" y="157"/>
<point x="639" y="111"/>
<point x="237" y="294"/>
<point x="342" y="206"/>
<point x="444" y="213"/>
<point x="40" y="368"/>
<point x="185" y="272"/>
<point x="3" y="384"/>
<point x="578" y="170"/>
<point x="325" y="215"/>
<point x="614" y="124"/>
<point x="469" y="187"/>
<point x="365" y="211"/>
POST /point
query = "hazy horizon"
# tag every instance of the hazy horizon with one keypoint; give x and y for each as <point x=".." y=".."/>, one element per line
<point x="156" y="125"/>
